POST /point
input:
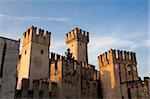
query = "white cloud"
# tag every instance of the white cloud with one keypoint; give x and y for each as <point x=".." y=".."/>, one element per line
<point x="33" y="18"/>
<point x="58" y="46"/>
<point x="146" y="43"/>
<point x="99" y="45"/>
<point x="105" y="43"/>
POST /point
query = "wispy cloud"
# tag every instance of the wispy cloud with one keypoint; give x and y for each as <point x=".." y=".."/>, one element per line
<point x="58" y="46"/>
<point x="106" y="42"/>
<point x="146" y="43"/>
<point x="34" y="18"/>
<point x="99" y="45"/>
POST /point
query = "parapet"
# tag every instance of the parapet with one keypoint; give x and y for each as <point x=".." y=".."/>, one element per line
<point x="77" y="34"/>
<point x="40" y="89"/>
<point x="89" y="71"/>
<point x="113" y="56"/>
<point x="55" y="57"/>
<point x="147" y="81"/>
<point x="36" y="35"/>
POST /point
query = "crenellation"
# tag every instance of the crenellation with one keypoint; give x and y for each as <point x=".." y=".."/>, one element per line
<point x="105" y="58"/>
<point x="55" y="57"/>
<point x="126" y="55"/>
<point x="100" y="61"/>
<point x="83" y="33"/>
<point x="117" y="56"/>
<point x="33" y="29"/>
<point x="40" y="89"/>
<point x="41" y="36"/>
<point x="92" y="67"/>
<point x="76" y="31"/>
<point x="147" y="81"/>
<point x="112" y="53"/>
<point x="25" y="84"/>
<point x="33" y="35"/>
<point x="72" y="32"/>
<point x="52" y="56"/>
<point x="78" y="34"/>
<point x="133" y="58"/>
<point x="80" y="31"/>
<point x="36" y="84"/>
<point x="120" y="54"/>
<point x="42" y="74"/>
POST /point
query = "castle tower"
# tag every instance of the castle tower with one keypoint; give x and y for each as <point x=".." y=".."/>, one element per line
<point x="34" y="61"/>
<point x="77" y="41"/>
<point x="117" y="69"/>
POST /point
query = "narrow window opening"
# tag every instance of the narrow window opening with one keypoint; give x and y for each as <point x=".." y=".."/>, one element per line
<point x="2" y="61"/>
<point x="25" y="52"/>
<point x="42" y="51"/>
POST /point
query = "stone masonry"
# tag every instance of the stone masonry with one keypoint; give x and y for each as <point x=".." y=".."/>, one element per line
<point x="119" y="76"/>
<point x="43" y="74"/>
<point x="9" y="53"/>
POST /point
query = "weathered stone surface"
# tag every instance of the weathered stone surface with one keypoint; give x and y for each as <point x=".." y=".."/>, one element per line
<point x="119" y="76"/>
<point x="9" y="52"/>
<point x="44" y="76"/>
<point x="34" y="60"/>
<point x="77" y="41"/>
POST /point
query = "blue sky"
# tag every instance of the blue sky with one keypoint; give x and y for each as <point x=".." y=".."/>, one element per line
<point x="117" y="24"/>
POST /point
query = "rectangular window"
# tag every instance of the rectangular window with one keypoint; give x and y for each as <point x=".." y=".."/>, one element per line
<point x="2" y="61"/>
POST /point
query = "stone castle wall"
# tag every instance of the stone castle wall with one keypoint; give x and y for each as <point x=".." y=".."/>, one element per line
<point x="9" y="54"/>
<point x="118" y="71"/>
<point x="74" y="79"/>
<point x="77" y="41"/>
<point x="34" y="59"/>
<point x="41" y="75"/>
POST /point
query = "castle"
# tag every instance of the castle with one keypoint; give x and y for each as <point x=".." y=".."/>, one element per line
<point x="44" y="74"/>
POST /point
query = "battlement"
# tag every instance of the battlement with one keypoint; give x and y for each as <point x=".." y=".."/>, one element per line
<point x="147" y="81"/>
<point x="77" y="34"/>
<point x="36" y="35"/>
<point x="116" y="56"/>
<point x="40" y="89"/>
<point x="89" y="71"/>
<point x="87" y="66"/>
<point x="54" y="56"/>
<point x="141" y="83"/>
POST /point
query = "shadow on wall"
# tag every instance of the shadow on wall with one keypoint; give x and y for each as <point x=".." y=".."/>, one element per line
<point x="107" y="88"/>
